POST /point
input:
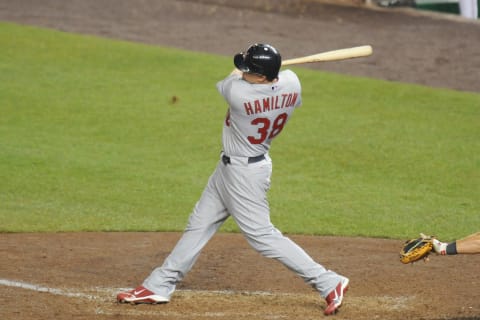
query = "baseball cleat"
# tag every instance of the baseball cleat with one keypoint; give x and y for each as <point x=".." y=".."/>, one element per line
<point x="335" y="298"/>
<point x="140" y="295"/>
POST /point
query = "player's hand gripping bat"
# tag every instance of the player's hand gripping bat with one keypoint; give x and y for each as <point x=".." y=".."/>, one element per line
<point x="341" y="54"/>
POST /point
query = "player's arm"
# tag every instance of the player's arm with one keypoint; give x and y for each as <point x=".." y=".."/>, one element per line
<point x="470" y="244"/>
<point x="467" y="245"/>
<point x="236" y="71"/>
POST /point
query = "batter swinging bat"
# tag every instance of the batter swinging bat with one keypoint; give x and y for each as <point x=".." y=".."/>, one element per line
<point x="341" y="54"/>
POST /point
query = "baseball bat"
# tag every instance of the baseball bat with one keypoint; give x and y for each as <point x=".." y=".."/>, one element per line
<point x="341" y="54"/>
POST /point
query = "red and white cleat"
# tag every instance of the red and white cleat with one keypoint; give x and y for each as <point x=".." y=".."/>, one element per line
<point x="335" y="298"/>
<point x="140" y="295"/>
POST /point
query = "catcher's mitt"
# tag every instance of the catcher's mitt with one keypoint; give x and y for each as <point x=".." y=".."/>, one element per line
<point x="416" y="249"/>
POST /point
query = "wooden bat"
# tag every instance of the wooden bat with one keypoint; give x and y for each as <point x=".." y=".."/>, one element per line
<point x="341" y="54"/>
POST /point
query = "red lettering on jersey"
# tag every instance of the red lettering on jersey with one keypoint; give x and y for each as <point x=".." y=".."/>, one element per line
<point x="284" y="96"/>
<point x="270" y="103"/>
<point x="294" y="99"/>
<point x="289" y="100"/>
<point x="266" y="104"/>
<point x="248" y="108"/>
<point x="258" y="107"/>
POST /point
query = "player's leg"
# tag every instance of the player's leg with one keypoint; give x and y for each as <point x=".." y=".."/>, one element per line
<point x="208" y="215"/>
<point x="249" y="207"/>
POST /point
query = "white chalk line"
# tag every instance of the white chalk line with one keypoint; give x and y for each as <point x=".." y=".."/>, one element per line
<point x="69" y="293"/>
<point x="39" y="288"/>
<point x="107" y="295"/>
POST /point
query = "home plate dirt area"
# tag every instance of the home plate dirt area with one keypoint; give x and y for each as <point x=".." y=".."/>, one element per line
<point x="77" y="275"/>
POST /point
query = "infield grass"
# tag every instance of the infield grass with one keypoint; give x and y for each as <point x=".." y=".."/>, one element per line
<point x="97" y="134"/>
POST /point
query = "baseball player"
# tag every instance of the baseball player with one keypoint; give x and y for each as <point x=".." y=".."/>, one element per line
<point x="260" y="101"/>
<point x="467" y="245"/>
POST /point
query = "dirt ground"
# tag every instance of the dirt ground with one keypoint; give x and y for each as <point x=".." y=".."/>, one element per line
<point x="76" y="275"/>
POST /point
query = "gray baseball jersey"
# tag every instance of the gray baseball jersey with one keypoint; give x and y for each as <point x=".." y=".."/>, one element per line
<point x="257" y="112"/>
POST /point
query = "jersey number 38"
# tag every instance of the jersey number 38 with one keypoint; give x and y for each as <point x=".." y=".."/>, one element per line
<point x="267" y="129"/>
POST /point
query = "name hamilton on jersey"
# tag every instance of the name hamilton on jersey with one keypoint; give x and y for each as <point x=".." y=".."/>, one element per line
<point x="285" y="100"/>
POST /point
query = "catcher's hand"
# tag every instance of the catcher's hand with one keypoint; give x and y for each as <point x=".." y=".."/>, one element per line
<point x="416" y="249"/>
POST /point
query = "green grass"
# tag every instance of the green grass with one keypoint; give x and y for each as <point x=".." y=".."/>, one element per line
<point x="90" y="139"/>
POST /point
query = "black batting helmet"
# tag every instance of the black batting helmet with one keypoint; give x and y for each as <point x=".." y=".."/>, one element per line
<point x="261" y="59"/>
